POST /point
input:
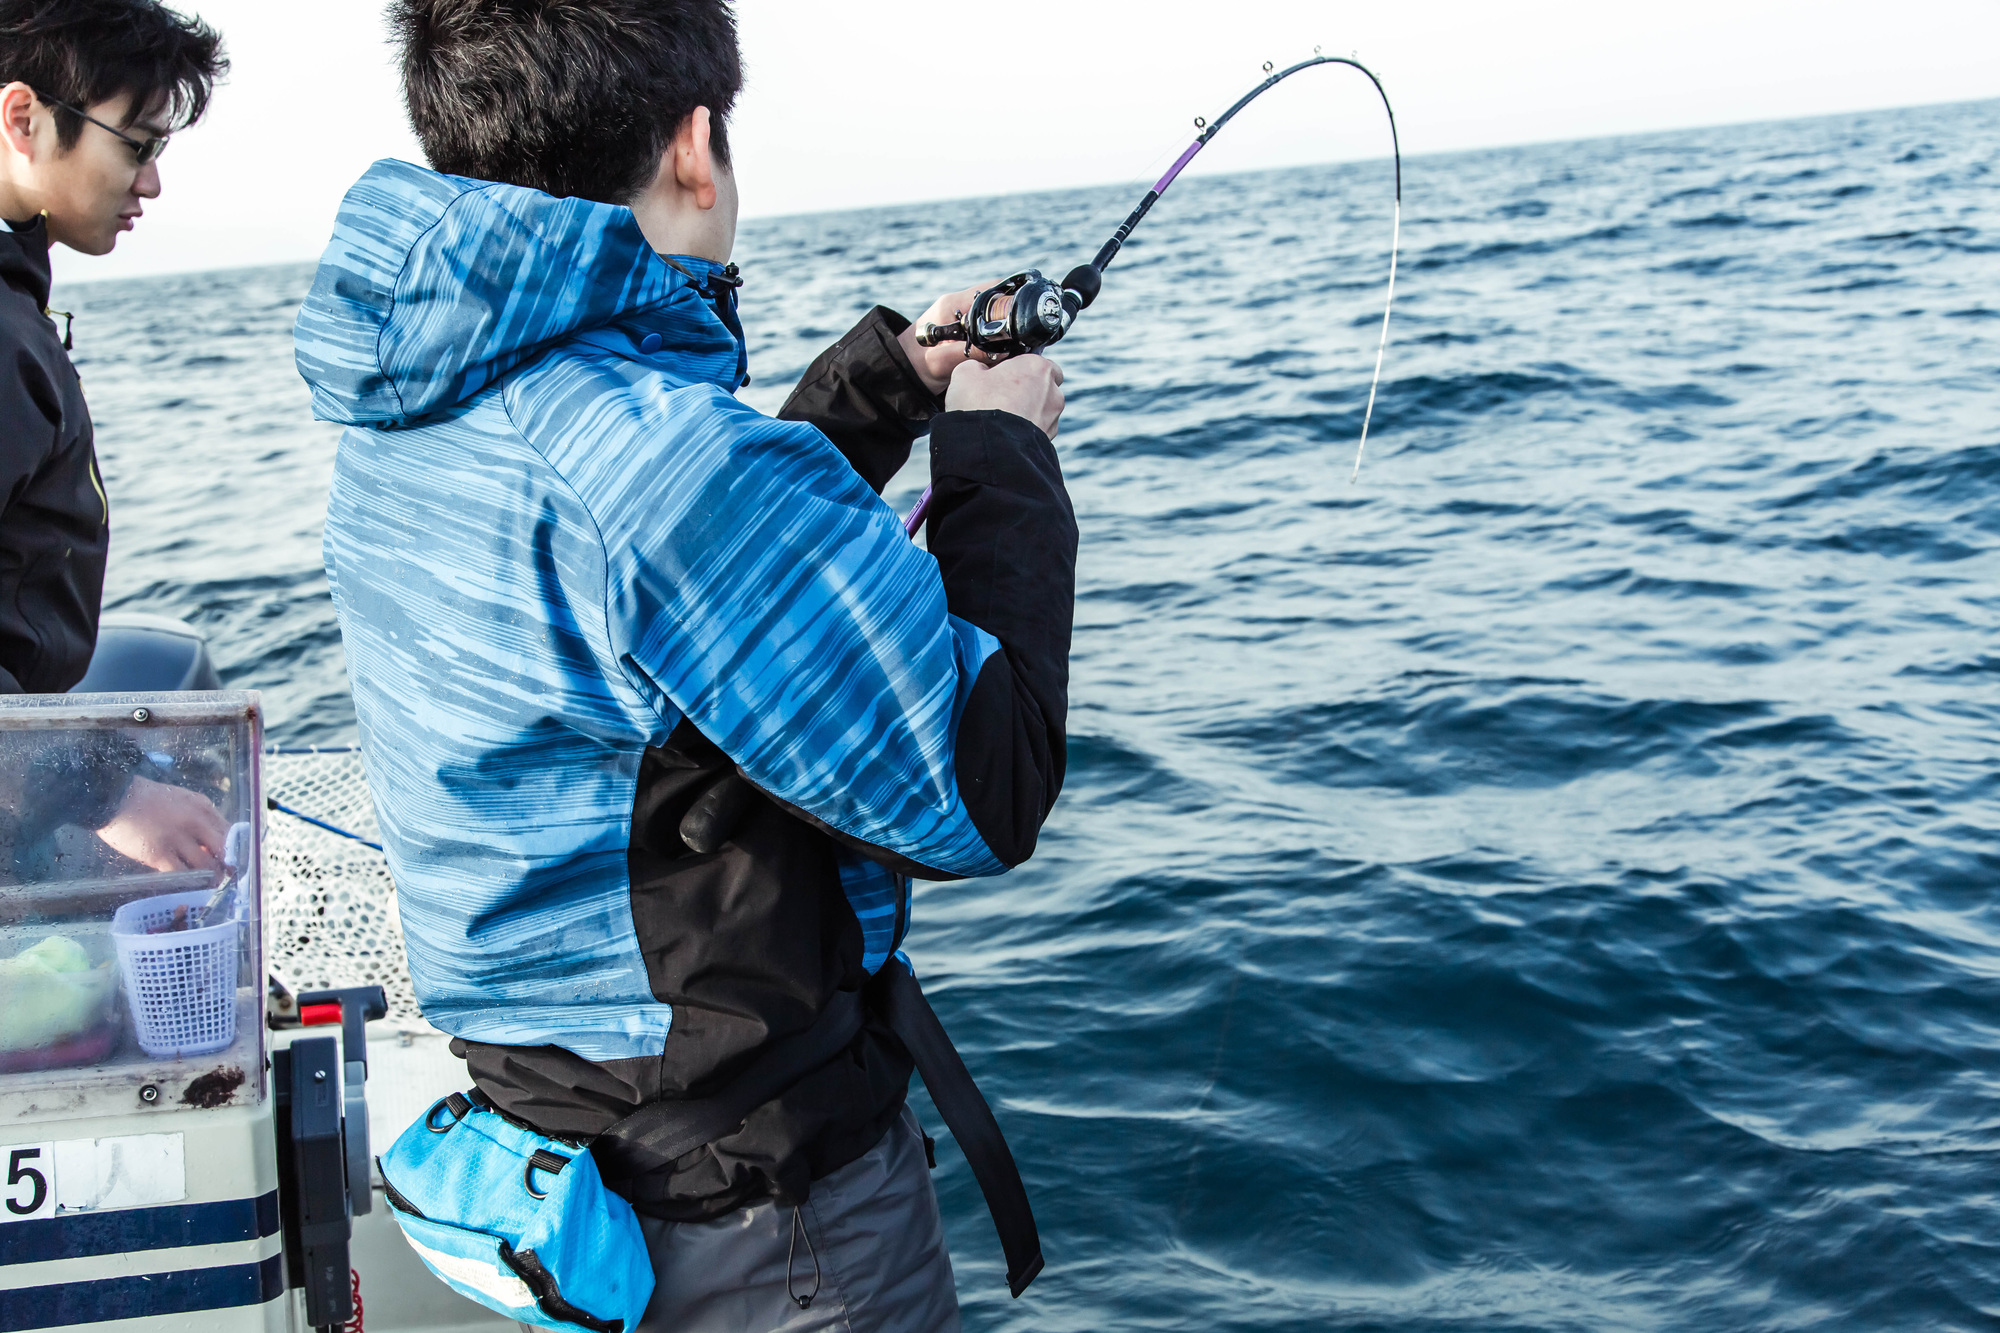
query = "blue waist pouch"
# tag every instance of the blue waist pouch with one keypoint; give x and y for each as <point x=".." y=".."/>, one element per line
<point x="517" y="1221"/>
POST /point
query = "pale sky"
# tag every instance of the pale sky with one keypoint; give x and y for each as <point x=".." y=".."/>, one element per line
<point x="891" y="101"/>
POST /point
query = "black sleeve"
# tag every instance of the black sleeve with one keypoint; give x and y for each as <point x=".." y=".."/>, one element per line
<point x="53" y="531"/>
<point x="1005" y="538"/>
<point x="864" y="396"/>
<point x="30" y="423"/>
<point x="67" y="777"/>
<point x="30" y="420"/>
<point x="81" y="780"/>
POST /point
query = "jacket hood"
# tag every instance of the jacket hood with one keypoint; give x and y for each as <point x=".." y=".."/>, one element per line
<point x="24" y="259"/>
<point x="434" y="287"/>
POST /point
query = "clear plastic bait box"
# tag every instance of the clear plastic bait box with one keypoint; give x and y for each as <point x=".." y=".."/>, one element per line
<point x="131" y="949"/>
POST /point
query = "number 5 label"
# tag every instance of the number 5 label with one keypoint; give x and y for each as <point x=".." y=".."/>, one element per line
<point x="30" y="1186"/>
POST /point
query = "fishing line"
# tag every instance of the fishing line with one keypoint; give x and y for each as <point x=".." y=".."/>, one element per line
<point x="1037" y="312"/>
<point x="1208" y="1088"/>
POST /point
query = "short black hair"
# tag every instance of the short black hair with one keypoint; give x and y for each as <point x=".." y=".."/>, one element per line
<point x="87" y="51"/>
<point x="572" y="97"/>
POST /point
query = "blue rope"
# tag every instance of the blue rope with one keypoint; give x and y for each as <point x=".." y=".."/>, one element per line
<point x="283" y="809"/>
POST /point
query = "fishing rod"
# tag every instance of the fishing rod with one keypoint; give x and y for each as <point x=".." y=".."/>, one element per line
<point x="1039" y="312"/>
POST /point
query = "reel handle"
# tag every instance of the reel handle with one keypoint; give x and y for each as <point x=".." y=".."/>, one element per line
<point x="930" y="335"/>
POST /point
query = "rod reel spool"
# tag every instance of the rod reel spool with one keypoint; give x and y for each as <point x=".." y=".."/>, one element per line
<point x="1038" y="313"/>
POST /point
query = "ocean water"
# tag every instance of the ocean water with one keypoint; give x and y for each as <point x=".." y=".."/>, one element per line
<point x="1549" y="884"/>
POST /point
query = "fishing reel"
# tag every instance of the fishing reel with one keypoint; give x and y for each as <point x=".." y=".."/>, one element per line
<point x="1032" y="313"/>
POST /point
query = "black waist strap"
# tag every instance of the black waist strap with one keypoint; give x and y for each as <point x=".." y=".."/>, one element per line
<point x="658" y="1134"/>
<point x="971" y="1120"/>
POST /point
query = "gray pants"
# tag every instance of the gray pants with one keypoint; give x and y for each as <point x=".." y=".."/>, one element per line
<point x="869" y="1240"/>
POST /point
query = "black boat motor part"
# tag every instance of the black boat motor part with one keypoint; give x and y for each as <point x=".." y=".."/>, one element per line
<point x="322" y="1137"/>
<point x="138" y="651"/>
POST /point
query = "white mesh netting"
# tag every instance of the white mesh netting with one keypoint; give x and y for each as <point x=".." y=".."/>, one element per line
<point x="329" y="903"/>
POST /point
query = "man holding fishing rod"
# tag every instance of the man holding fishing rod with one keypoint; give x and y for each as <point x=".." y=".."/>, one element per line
<point x="662" y="710"/>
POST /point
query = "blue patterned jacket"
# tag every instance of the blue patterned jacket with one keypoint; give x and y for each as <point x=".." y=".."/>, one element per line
<point x="561" y="549"/>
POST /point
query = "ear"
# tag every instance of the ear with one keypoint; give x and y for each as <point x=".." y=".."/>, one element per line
<point x="17" y="129"/>
<point x="693" y="163"/>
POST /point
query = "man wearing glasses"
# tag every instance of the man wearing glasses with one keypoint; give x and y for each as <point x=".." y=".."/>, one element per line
<point x="89" y="91"/>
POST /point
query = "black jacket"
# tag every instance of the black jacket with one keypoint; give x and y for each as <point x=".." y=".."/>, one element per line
<point x="55" y="528"/>
<point x="751" y="941"/>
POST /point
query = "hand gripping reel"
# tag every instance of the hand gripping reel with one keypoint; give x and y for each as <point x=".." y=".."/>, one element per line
<point x="1037" y="312"/>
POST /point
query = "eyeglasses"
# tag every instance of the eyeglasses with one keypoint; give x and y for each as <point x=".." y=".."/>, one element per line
<point x="143" y="150"/>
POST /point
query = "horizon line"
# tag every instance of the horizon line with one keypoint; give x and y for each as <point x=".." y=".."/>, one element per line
<point x="1427" y="155"/>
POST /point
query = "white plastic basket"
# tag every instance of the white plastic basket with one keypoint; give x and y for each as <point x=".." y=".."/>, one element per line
<point x="180" y="984"/>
